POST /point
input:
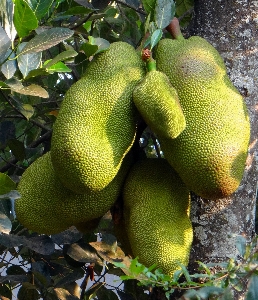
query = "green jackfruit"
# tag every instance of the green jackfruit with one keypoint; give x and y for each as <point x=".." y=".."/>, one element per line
<point x="46" y="206"/>
<point x="96" y="125"/>
<point x="156" y="211"/>
<point x="158" y="104"/>
<point x="210" y="153"/>
<point x="39" y="208"/>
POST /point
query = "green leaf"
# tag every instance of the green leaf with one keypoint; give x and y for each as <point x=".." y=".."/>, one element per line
<point x="241" y="245"/>
<point x="59" y="67"/>
<point x="83" y="253"/>
<point x="27" y="110"/>
<point x="149" y="5"/>
<point x="155" y="38"/>
<point x="32" y="90"/>
<point x="78" y="10"/>
<point x="17" y="148"/>
<point x="5" y="43"/>
<point x="15" y="270"/>
<point x="89" y="49"/>
<point x="24" y="18"/>
<point x="164" y="13"/>
<point x="10" y="66"/>
<point x="47" y="39"/>
<point x="40" y="7"/>
<point x="61" y="57"/>
<point x="252" y="292"/>
<point x="29" y="61"/>
<point x="37" y="72"/>
<point x="101" y="43"/>
<point x="6" y="184"/>
<point x="5" y="223"/>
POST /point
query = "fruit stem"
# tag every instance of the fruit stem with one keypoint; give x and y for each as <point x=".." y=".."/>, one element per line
<point x="150" y="62"/>
<point x="174" y="29"/>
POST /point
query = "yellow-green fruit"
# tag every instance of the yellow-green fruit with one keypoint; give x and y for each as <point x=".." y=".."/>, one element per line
<point x="96" y="203"/>
<point x="46" y="206"/>
<point x="42" y="194"/>
<point x="96" y="125"/>
<point x="158" y="104"/>
<point x="156" y="211"/>
<point x="210" y="153"/>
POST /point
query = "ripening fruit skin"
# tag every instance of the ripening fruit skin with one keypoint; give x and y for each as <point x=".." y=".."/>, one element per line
<point x="96" y="125"/>
<point x="47" y="207"/>
<point x="158" y="104"/>
<point x="156" y="211"/>
<point x="42" y="194"/>
<point x="210" y="153"/>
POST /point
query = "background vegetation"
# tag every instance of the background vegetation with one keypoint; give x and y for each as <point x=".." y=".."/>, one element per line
<point x="45" y="47"/>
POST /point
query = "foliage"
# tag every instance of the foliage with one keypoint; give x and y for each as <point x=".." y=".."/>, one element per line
<point x="45" y="47"/>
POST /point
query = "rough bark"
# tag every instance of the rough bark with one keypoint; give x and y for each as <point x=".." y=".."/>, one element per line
<point x="231" y="27"/>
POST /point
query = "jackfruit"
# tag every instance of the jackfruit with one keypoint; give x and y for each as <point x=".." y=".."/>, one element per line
<point x="46" y="206"/>
<point x="96" y="125"/>
<point x="158" y="104"/>
<point x="39" y="208"/>
<point x="210" y="153"/>
<point x="156" y="212"/>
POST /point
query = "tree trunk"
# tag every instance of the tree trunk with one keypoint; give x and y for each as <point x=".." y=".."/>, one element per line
<point x="231" y="27"/>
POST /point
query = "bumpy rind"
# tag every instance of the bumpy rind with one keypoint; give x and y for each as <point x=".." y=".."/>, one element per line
<point x="156" y="211"/>
<point x="96" y="125"/>
<point x="210" y="153"/>
<point x="46" y="206"/>
<point x="158" y="104"/>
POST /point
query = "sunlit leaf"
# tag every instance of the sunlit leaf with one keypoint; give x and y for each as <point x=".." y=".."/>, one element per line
<point x="10" y="66"/>
<point x="47" y="39"/>
<point x="59" y="67"/>
<point x="5" y="43"/>
<point x="6" y="184"/>
<point x="24" y="18"/>
<point x="29" y="61"/>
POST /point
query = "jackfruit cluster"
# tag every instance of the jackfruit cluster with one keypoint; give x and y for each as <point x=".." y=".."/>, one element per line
<point x="199" y="118"/>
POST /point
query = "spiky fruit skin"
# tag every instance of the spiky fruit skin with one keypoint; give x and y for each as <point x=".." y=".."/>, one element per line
<point x="158" y="104"/>
<point x="156" y="211"/>
<point x="41" y="192"/>
<point x="96" y="125"/>
<point x="46" y="206"/>
<point x="210" y="153"/>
